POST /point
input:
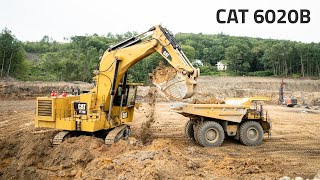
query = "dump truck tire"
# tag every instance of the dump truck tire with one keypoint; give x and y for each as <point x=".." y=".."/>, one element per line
<point x="210" y="134"/>
<point x="251" y="133"/>
<point x="189" y="131"/>
<point x="195" y="132"/>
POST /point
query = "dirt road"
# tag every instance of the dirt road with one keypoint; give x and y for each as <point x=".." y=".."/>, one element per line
<point x="26" y="152"/>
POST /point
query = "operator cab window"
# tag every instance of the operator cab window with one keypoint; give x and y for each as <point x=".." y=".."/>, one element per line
<point x="129" y="96"/>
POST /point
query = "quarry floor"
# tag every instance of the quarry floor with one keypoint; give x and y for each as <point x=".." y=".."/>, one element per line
<point x="26" y="152"/>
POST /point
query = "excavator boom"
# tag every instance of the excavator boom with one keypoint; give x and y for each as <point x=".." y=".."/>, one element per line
<point x="119" y="58"/>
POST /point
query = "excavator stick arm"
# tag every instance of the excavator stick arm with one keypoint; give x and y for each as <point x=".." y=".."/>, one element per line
<point x="130" y="51"/>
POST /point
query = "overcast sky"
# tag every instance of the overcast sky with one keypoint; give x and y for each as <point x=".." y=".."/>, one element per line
<point x="30" y="20"/>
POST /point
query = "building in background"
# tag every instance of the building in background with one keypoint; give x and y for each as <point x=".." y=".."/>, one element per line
<point x="221" y="66"/>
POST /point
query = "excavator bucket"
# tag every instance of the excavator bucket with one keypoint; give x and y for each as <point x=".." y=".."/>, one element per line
<point x="179" y="86"/>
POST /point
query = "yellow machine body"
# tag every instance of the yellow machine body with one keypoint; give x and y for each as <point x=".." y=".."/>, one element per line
<point x="110" y="103"/>
<point x="234" y="110"/>
<point x="59" y="113"/>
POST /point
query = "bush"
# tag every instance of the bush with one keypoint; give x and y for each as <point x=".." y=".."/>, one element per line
<point x="240" y="73"/>
<point x="264" y="73"/>
<point x="261" y="73"/>
<point x="23" y="70"/>
<point x="296" y="75"/>
<point x="208" y="70"/>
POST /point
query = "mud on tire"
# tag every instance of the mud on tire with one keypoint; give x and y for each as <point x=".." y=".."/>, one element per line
<point x="189" y="131"/>
<point x="209" y="134"/>
<point x="251" y="133"/>
<point x="195" y="132"/>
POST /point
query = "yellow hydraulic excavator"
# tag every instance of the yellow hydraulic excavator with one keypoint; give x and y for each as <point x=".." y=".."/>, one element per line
<point x="107" y="109"/>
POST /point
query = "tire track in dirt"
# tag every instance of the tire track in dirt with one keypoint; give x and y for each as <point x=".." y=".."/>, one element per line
<point x="295" y="153"/>
<point x="16" y="116"/>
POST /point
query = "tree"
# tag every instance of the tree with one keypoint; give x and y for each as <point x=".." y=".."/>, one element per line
<point x="77" y="58"/>
<point x="12" y="55"/>
<point x="189" y="52"/>
<point x="238" y="58"/>
<point x="276" y="57"/>
<point x="213" y="54"/>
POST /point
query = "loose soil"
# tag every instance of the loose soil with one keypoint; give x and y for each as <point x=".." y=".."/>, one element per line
<point x="163" y="73"/>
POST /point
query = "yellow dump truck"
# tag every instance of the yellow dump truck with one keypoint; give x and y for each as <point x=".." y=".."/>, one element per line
<point x="241" y="118"/>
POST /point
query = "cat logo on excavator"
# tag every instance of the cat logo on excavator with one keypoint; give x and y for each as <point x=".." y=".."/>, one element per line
<point x="165" y="53"/>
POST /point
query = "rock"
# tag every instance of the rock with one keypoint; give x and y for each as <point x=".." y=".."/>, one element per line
<point x="151" y="172"/>
<point x="110" y="167"/>
<point x="132" y="141"/>
<point x="74" y="173"/>
<point x="122" y="177"/>
<point x="285" y="178"/>
<point x="146" y="155"/>
<point x="192" y="165"/>
<point x="96" y="144"/>
<point x="139" y="156"/>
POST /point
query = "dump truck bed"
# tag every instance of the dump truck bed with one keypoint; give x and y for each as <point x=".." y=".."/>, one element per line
<point x="233" y="110"/>
<point x="233" y="113"/>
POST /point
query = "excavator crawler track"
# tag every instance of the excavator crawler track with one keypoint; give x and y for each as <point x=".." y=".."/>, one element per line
<point x="60" y="137"/>
<point x="117" y="133"/>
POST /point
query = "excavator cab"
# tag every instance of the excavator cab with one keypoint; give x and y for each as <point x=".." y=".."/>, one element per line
<point x="130" y="95"/>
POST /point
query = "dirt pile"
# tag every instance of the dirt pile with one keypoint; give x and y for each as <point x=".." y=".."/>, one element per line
<point x="306" y="91"/>
<point x="29" y="90"/>
<point x="127" y="164"/>
<point x="33" y="157"/>
<point x="261" y="167"/>
<point x="21" y="155"/>
<point x="86" y="157"/>
<point x="163" y="73"/>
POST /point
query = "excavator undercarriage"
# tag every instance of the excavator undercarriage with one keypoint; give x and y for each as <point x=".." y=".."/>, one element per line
<point x="110" y="136"/>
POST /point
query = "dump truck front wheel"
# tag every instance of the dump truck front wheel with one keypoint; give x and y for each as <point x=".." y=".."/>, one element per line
<point x="210" y="134"/>
<point x="251" y="133"/>
<point x="189" y="131"/>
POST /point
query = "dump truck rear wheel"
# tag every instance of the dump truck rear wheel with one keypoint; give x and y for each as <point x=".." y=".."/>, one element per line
<point x="189" y="131"/>
<point x="210" y="134"/>
<point x="195" y="132"/>
<point x="251" y="133"/>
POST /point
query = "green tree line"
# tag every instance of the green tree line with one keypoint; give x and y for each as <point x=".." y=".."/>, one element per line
<point x="76" y="59"/>
<point x="254" y="56"/>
